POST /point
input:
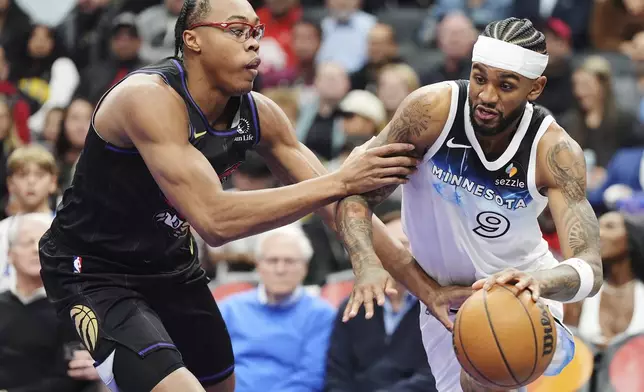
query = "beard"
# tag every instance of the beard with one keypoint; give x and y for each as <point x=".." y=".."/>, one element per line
<point x="504" y="121"/>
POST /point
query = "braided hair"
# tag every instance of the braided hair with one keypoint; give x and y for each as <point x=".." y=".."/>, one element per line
<point x="193" y="11"/>
<point x="519" y="32"/>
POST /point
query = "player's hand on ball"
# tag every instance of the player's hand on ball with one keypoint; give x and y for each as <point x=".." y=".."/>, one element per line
<point x="521" y="280"/>
<point x="369" y="169"/>
<point x="445" y="298"/>
<point x="372" y="283"/>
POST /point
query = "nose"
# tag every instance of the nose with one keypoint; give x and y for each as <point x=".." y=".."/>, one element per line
<point x="488" y="94"/>
<point x="252" y="44"/>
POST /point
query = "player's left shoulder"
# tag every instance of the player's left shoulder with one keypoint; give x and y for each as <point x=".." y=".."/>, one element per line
<point x="557" y="151"/>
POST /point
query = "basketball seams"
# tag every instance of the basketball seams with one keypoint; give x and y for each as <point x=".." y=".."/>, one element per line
<point x="496" y="340"/>
<point x="462" y="347"/>
<point x="534" y="334"/>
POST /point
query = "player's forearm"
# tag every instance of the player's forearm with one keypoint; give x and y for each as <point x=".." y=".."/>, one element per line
<point x="562" y="282"/>
<point x="241" y="214"/>
<point x="363" y="236"/>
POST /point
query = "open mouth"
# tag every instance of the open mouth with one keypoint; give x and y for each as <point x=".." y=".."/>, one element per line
<point x="486" y="114"/>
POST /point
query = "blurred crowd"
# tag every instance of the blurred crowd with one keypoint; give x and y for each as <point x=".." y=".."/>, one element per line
<point x="339" y="69"/>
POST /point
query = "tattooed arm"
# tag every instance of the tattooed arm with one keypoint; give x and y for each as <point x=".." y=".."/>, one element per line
<point x="419" y="120"/>
<point x="562" y="169"/>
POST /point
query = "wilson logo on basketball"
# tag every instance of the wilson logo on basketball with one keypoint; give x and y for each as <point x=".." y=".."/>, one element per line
<point x="548" y="339"/>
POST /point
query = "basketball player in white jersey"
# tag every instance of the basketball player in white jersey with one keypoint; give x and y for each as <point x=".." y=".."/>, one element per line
<point x="491" y="162"/>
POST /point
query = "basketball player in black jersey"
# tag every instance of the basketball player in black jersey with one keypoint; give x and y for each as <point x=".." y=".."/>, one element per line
<point x="119" y="259"/>
<point x="502" y="127"/>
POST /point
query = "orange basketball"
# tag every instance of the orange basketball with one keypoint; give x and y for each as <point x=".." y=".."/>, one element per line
<point x="504" y="341"/>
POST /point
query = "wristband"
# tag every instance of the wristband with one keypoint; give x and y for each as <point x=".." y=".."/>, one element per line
<point x="586" y="278"/>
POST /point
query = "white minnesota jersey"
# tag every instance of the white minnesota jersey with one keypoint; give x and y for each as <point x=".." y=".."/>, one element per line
<point x="467" y="217"/>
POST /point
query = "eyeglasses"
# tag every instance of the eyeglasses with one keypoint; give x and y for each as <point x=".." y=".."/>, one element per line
<point x="240" y="31"/>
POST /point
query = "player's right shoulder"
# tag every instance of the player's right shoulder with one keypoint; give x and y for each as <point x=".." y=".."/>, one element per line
<point x="423" y="114"/>
<point x="144" y="105"/>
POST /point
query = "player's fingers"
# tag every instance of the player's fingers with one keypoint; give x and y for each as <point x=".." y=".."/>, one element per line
<point x="399" y="161"/>
<point x="357" y="302"/>
<point x="347" y="309"/>
<point x="80" y="363"/>
<point x="82" y="354"/>
<point x="478" y="284"/>
<point x="392" y="149"/>
<point x="390" y="287"/>
<point x="397" y="171"/>
<point x="367" y="295"/>
<point x="506" y="276"/>
<point x="379" y="294"/>
<point x="535" y="290"/>
<point x="489" y="282"/>
<point x="442" y="315"/>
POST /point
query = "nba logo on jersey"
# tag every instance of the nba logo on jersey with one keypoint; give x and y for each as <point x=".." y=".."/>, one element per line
<point x="78" y="264"/>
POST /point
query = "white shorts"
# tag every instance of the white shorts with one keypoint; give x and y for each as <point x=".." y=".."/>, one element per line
<point x="445" y="367"/>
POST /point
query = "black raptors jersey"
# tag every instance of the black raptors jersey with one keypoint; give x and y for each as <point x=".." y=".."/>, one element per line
<point x="115" y="210"/>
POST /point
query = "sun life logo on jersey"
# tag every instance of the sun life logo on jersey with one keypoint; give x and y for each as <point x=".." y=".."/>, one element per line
<point x="243" y="129"/>
<point x="478" y="190"/>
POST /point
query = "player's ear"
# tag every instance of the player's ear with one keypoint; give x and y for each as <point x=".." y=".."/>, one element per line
<point x="537" y="88"/>
<point x="192" y="41"/>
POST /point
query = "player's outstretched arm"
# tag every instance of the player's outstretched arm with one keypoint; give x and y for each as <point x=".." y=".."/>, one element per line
<point x="419" y="120"/>
<point x="159" y="130"/>
<point x="562" y="168"/>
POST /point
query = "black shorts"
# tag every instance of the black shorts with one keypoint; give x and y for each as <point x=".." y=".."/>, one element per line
<point x="169" y="313"/>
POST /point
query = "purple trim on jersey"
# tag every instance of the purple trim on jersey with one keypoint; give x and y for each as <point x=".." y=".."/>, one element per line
<point x="203" y="117"/>
<point x="111" y="147"/>
<point x="253" y="109"/>
<point x="156" y="345"/>
<point x="218" y="375"/>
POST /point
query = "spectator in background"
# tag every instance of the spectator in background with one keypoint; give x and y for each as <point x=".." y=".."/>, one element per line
<point x="31" y="179"/>
<point x="382" y="50"/>
<point x="71" y="140"/>
<point x="344" y="34"/>
<point x="14" y="23"/>
<point x="306" y="38"/>
<point x="19" y="107"/>
<point x="124" y="58"/>
<point x="287" y="99"/>
<point x="83" y="32"/>
<point x="617" y="312"/>
<point x="156" y="27"/>
<point x="481" y="12"/>
<point x="52" y="128"/>
<point x="364" y="114"/>
<point x="279" y="16"/>
<point x="287" y="353"/>
<point x="32" y="339"/>
<point x="615" y="22"/>
<point x="395" y="83"/>
<point x="573" y="13"/>
<point x="624" y="171"/>
<point x="558" y="97"/>
<point x="384" y="353"/>
<point x="9" y="141"/>
<point x="319" y="126"/>
<point x="44" y="74"/>
<point x="597" y="123"/>
<point x="455" y="39"/>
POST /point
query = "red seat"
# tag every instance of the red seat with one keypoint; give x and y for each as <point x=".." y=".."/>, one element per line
<point x="337" y="292"/>
<point x="224" y="290"/>
<point x="625" y="368"/>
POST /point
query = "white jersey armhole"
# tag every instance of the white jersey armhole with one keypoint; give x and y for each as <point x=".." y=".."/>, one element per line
<point x="532" y="164"/>
<point x="453" y="109"/>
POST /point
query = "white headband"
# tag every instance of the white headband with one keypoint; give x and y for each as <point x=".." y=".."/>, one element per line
<point x="511" y="57"/>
